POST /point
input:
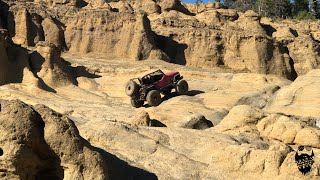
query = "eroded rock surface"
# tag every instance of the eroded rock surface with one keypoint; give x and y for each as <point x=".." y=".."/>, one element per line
<point x="170" y="31"/>
<point x="300" y="98"/>
<point x="38" y="143"/>
<point x="229" y="125"/>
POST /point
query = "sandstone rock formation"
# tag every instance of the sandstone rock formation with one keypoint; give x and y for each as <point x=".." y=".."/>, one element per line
<point x="260" y="143"/>
<point x="211" y="37"/>
<point x="196" y="121"/>
<point x="47" y="65"/>
<point x="300" y="98"/>
<point x="126" y="38"/>
<point x="35" y="145"/>
<point x="253" y="147"/>
<point x="236" y="122"/>
<point x="42" y="67"/>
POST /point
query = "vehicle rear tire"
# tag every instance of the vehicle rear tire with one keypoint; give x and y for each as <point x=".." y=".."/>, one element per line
<point x="154" y="98"/>
<point x="182" y="87"/>
<point x="136" y="103"/>
<point x="132" y="88"/>
<point x="166" y="92"/>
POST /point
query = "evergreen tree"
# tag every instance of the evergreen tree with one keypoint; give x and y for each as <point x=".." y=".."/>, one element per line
<point x="243" y="5"/>
<point x="300" y="5"/>
<point x="314" y="7"/>
<point x="228" y="3"/>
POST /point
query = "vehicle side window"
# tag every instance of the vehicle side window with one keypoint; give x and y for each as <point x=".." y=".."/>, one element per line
<point x="147" y="79"/>
<point x="157" y="77"/>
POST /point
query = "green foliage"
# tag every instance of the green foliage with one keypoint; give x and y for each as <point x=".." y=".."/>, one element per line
<point x="243" y="5"/>
<point x="300" y="5"/>
<point x="304" y="15"/>
<point x="300" y="9"/>
<point x="228" y="3"/>
<point x="273" y="8"/>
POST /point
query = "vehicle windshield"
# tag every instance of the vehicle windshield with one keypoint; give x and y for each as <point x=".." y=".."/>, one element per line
<point x="157" y="73"/>
<point x="152" y="77"/>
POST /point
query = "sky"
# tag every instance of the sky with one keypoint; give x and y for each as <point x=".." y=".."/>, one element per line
<point x="204" y="1"/>
<point x="192" y="1"/>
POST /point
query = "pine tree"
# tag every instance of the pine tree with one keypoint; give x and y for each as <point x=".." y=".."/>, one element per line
<point x="300" y="5"/>
<point x="273" y="8"/>
<point x="243" y="5"/>
<point x="228" y="3"/>
<point x="314" y="7"/>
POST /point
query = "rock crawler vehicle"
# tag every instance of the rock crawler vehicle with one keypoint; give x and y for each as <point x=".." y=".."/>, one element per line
<point x="149" y="87"/>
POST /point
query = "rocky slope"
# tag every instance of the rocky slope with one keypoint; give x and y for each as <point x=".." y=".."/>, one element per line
<point x="168" y="30"/>
<point x="246" y="123"/>
<point x="243" y="117"/>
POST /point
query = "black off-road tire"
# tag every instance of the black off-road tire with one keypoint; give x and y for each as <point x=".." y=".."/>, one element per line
<point x="154" y="98"/>
<point x="132" y="88"/>
<point x="182" y="87"/>
<point x="167" y="92"/>
<point x="136" y="103"/>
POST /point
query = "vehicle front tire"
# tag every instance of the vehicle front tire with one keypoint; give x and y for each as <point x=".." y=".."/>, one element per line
<point x="182" y="87"/>
<point x="136" y="103"/>
<point x="132" y="88"/>
<point x="154" y="98"/>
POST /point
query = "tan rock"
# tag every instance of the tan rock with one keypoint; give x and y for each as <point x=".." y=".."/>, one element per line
<point x="133" y="39"/>
<point x="304" y="52"/>
<point x="141" y="118"/>
<point x="284" y="34"/>
<point x="121" y="6"/>
<point x="279" y="127"/>
<point x="244" y="117"/>
<point x="21" y="36"/>
<point x="301" y="98"/>
<point x="196" y="121"/>
<point x="53" y="33"/>
<point x="36" y="145"/>
<point x="308" y="137"/>
<point x="46" y="63"/>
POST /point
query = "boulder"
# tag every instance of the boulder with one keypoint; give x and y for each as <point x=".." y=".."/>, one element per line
<point x="196" y="121"/>
<point x="141" y="118"/>
<point x="301" y="98"/>
<point x="240" y="118"/>
<point x="40" y="143"/>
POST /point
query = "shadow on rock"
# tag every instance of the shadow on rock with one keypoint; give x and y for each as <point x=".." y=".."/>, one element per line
<point x="194" y="92"/>
<point x="119" y="169"/>
<point x="175" y="94"/>
<point x="156" y="123"/>
<point x="81" y="71"/>
<point x="172" y="48"/>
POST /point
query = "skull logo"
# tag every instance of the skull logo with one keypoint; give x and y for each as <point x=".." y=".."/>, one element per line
<point x="304" y="158"/>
